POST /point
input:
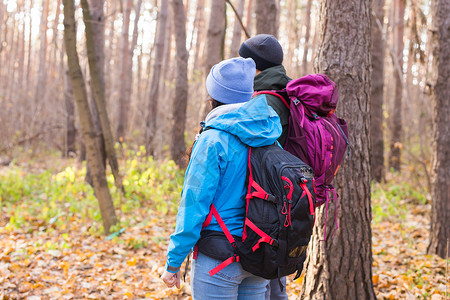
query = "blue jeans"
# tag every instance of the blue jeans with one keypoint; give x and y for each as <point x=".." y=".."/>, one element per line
<point x="274" y="291"/>
<point x="232" y="282"/>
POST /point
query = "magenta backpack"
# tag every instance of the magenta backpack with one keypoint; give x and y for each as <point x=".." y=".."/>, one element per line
<point x="315" y="134"/>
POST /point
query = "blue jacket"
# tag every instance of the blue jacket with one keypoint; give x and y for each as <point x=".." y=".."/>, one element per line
<point x="217" y="173"/>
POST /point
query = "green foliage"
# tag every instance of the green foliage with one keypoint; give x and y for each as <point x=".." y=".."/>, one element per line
<point x="390" y="199"/>
<point x="42" y="200"/>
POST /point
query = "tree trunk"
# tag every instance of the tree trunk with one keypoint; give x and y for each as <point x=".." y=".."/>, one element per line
<point x="376" y="93"/>
<point x="30" y="52"/>
<point x="307" y="36"/>
<point x="214" y="42"/>
<point x="200" y="28"/>
<point x="341" y="267"/>
<point x="125" y="85"/>
<point x="92" y="147"/>
<point x="249" y="18"/>
<point x="150" y="123"/>
<point x="181" y="88"/>
<point x="71" y="131"/>
<point x="267" y="18"/>
<point x="293" y="33"/>
<point x="440" y="95"/>
<point x="99" y="97"/>
<point x="98" y="29"/>
<point x="137" y="85"/>
<point x="237" y="30"/>
<point x="396" y="120"/>
<point x="42" y="70"/>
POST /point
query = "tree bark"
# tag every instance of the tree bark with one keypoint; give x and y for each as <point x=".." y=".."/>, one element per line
<point x="98" y="30"/>
<point x="181" y="89"/>
<point x="71" y="132"/>
<point x="237" y="30"/>
<point x="137" y="85"/>
<point x="125" y="84"/>
<point x="307" y="37"/>
<point x="150" y="123"/>
<point x="440" y="99"/>
<point x="42" y="70"/>
<point x="200" y="28"/>
<point x="396" y="120"/>
<point x="28" y="80"/>
<point x="267" y="18"/>
<point x="341" y="267"/>
<point x="92" y="147"/>
<point x="99" y="98"/>
<point x="214" y="50"/>
<point x="376" y="93"/>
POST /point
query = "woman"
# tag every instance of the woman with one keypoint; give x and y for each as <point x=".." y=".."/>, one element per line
<point x="216" y="174"/>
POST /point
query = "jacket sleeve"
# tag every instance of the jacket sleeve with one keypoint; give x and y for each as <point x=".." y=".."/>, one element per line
<point x="201" y="181"/>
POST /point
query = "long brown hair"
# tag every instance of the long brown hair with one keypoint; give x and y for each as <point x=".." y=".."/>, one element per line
<point x="213" y="104"/>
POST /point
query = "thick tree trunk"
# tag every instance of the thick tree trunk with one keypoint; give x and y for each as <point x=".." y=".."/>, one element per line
<point x="92" y="147"/>
<point x="341" y="267"/>
<point x="181" y="89"/>
<point x="396" y="114"/>
<point x="267" y="16"/>
<point x="376" y="93"/>
<point x="440" y="99"/>
<point x="150" y="123"/>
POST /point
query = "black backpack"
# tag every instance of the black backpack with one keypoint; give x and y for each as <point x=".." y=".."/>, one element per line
<point x="279" y="215"/>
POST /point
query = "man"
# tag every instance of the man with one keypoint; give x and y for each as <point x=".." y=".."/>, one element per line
<point x="267" y="53"/>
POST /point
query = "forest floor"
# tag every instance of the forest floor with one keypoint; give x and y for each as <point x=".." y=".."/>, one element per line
<point x="45" y="261"/>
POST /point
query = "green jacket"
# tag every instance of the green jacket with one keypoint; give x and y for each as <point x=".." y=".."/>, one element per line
<point x="275" y="78"/>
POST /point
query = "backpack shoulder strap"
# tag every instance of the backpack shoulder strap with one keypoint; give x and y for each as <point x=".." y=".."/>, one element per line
<point x="273" y="93"/>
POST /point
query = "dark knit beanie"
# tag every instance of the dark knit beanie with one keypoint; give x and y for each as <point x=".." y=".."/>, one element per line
<point x="264" y="49"/>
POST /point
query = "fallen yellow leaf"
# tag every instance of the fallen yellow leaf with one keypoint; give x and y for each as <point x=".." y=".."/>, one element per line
<point x="132" y="262"/>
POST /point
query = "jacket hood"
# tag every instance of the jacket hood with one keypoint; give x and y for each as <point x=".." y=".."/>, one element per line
<point x="254" y="123"/>
<point x="273" y="78"/>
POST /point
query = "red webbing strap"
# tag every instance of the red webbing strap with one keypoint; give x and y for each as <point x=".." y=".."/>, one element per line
<point x="308" y="193"/>
<point x="291" y="187"/>
<point x="222" y="225"/>
<point x="265" y="238"/>
<point x="273" y="94"/>
<point x="215" y="213"/>
<point x="225" y="263"/>
<point x="249" y="189"/>
<point x="206" y="223"/>
<point x="259" y="193"/>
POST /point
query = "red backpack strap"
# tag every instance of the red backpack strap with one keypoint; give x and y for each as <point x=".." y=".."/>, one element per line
<point x="235" y="258"/>
<point x="265" y="238"/>
<point x="273" y="93"/>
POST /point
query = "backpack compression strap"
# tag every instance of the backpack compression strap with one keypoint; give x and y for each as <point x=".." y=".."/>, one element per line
<point x="259" y="193"/>
<point x="273" y="93"/>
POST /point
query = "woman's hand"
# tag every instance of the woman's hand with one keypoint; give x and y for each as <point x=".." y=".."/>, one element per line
<point x="171" y="279"/>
